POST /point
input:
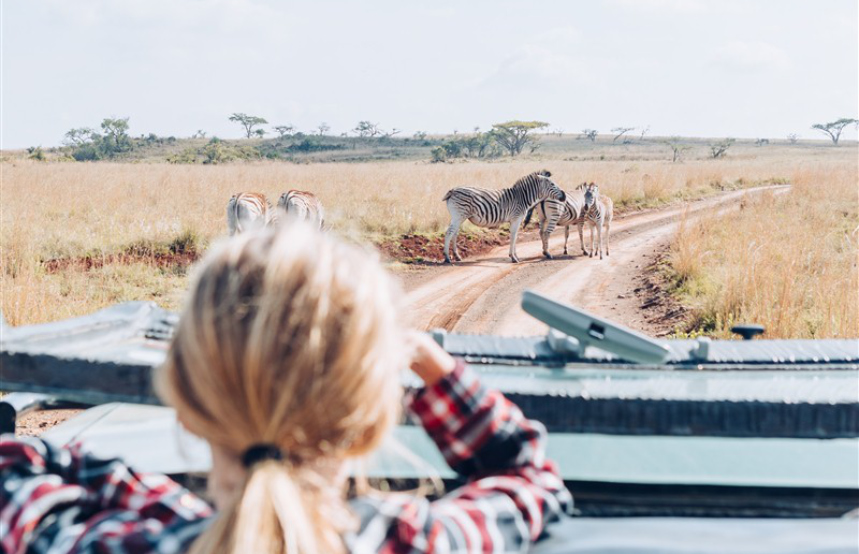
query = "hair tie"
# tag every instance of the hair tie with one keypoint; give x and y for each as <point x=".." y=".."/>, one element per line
<point x="259" y="453"/>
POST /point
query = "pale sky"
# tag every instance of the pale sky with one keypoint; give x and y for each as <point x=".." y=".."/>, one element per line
<point x="710" y="68"/>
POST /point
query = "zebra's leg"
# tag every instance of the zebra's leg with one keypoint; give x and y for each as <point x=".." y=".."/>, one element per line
<point x="582" y="237"/>
<point x="546" y="228"/>
<point x="607" y="235"/>
<point x="452" y="231"/>
<point x="514" y="230"/>
<point x="544" y="237"/>
<point x="593" y="246"/>
<point x="599" y="234"/>
<point x="566" y="238"/>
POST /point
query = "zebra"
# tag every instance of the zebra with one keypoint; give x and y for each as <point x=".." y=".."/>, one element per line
<point x="247" y="210"/>
<point x="491" y="208"/>
<point x="303" y="205"/>
<point x="553" y="213"/>
<point x="599" y="211"/>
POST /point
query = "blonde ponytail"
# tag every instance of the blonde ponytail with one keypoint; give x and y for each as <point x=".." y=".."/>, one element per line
<point x="292" y="339"/>
<point x="275" y="514"/>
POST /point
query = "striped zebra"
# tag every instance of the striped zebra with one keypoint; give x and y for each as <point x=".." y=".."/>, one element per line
<point x="247" y="210"/>
<point x="599" y="211"/>
<point x="302" y="205"/>
<point x="554" y="214"/>
<point x="492" y="208"/>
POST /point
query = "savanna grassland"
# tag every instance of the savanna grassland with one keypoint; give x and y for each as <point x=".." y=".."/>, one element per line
<point x="77" y="237"/>
<point x="787" y="261"/>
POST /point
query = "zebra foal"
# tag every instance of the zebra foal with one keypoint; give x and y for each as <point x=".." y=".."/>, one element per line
<point x="492" y="208"/>
<point x="302" y="205"/>
<point x="247" y="210"/>
<point x="598" y="211"/>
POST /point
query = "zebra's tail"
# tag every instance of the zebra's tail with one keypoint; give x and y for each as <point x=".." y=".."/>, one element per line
<point x="447" y="196"/>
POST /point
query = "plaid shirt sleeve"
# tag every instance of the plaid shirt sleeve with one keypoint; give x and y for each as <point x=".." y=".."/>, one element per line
<point x="64" y="500"/>
<point x="513" y="491"/>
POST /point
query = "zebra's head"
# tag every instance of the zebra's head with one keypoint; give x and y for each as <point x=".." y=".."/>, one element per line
<point x="550" y="189"/>
<point x="592" y="194"/>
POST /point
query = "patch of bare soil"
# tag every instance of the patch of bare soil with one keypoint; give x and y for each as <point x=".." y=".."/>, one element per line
<point x="35" y="423"/>
<point x="422" y="249"/>
<point x="660" y="309"/>
<point x="87" y="263"/>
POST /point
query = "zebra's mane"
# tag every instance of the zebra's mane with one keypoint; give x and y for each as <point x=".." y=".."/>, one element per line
<point x="542" y="174"/>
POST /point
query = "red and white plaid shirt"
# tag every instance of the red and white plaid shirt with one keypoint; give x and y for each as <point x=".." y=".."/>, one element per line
<point x="64" y="500"/>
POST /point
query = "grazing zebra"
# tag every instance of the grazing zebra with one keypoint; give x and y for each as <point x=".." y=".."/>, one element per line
<point x="247" y="210"/>
<point x="599" y="211"/>
<point x="492" y="208"/>
<point x="554" y="214"/>
<point x="302" y="205"/>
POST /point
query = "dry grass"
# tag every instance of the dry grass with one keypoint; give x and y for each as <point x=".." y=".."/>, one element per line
<point x="67" y="210"/>
<point x="788" y="261"/>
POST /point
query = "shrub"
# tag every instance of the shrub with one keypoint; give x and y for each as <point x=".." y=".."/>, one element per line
<point x="439" y="154"/>
<point x="36" y="153"/>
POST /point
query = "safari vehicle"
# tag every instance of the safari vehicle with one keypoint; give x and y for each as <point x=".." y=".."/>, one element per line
<point x="667" y="445"/>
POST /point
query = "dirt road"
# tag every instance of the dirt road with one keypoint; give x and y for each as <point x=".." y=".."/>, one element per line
<point x="482" y="295"/>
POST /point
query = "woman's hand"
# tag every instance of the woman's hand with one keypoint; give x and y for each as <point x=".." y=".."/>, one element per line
<point x="427" y="359"/>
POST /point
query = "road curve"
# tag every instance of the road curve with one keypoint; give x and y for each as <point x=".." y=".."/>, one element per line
<point x="482" y="294"/>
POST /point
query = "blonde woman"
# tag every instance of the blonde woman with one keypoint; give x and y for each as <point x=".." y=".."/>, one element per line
<point x="287" y="360"/>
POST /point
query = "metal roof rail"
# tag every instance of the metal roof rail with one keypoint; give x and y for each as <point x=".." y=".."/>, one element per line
<point x="590" y="330"/>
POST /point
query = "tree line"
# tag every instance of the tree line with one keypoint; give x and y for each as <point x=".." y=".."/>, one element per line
<point x="511" y="138"/>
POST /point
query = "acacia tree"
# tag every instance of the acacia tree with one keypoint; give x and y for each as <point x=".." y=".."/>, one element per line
<point x="719" y="149"/>
<point x="248" y="122"/>
<point x="116" y="137"/>
<point x="590" y="134"/>
<point x="284" y="131"/>
<point x="677" y="148"/>
<point x="793" y="138"/>
<point x="323" y="128"/>
<point x="834" y="128"/>
<point x="367" y="129"/>
<point x="514" y="135"/>
<point x="620" y="131"/>
<point x="79" y="137"/>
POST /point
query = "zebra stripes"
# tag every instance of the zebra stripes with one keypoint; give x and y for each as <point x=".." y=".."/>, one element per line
<point x="302" y="205"/>
<point x="492" y="208"/>
<point x="599" y="211"/>
<point x="247" y="210"/>
<point x="554" y="214"/>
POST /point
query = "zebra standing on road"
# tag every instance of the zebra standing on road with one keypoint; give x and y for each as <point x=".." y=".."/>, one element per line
<point x="247" y="210"/>
<point x="302" y="205"/>
<point x="599" y="211"/>
<point x="554" y="214"/>
<point x="492" y="208"/>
